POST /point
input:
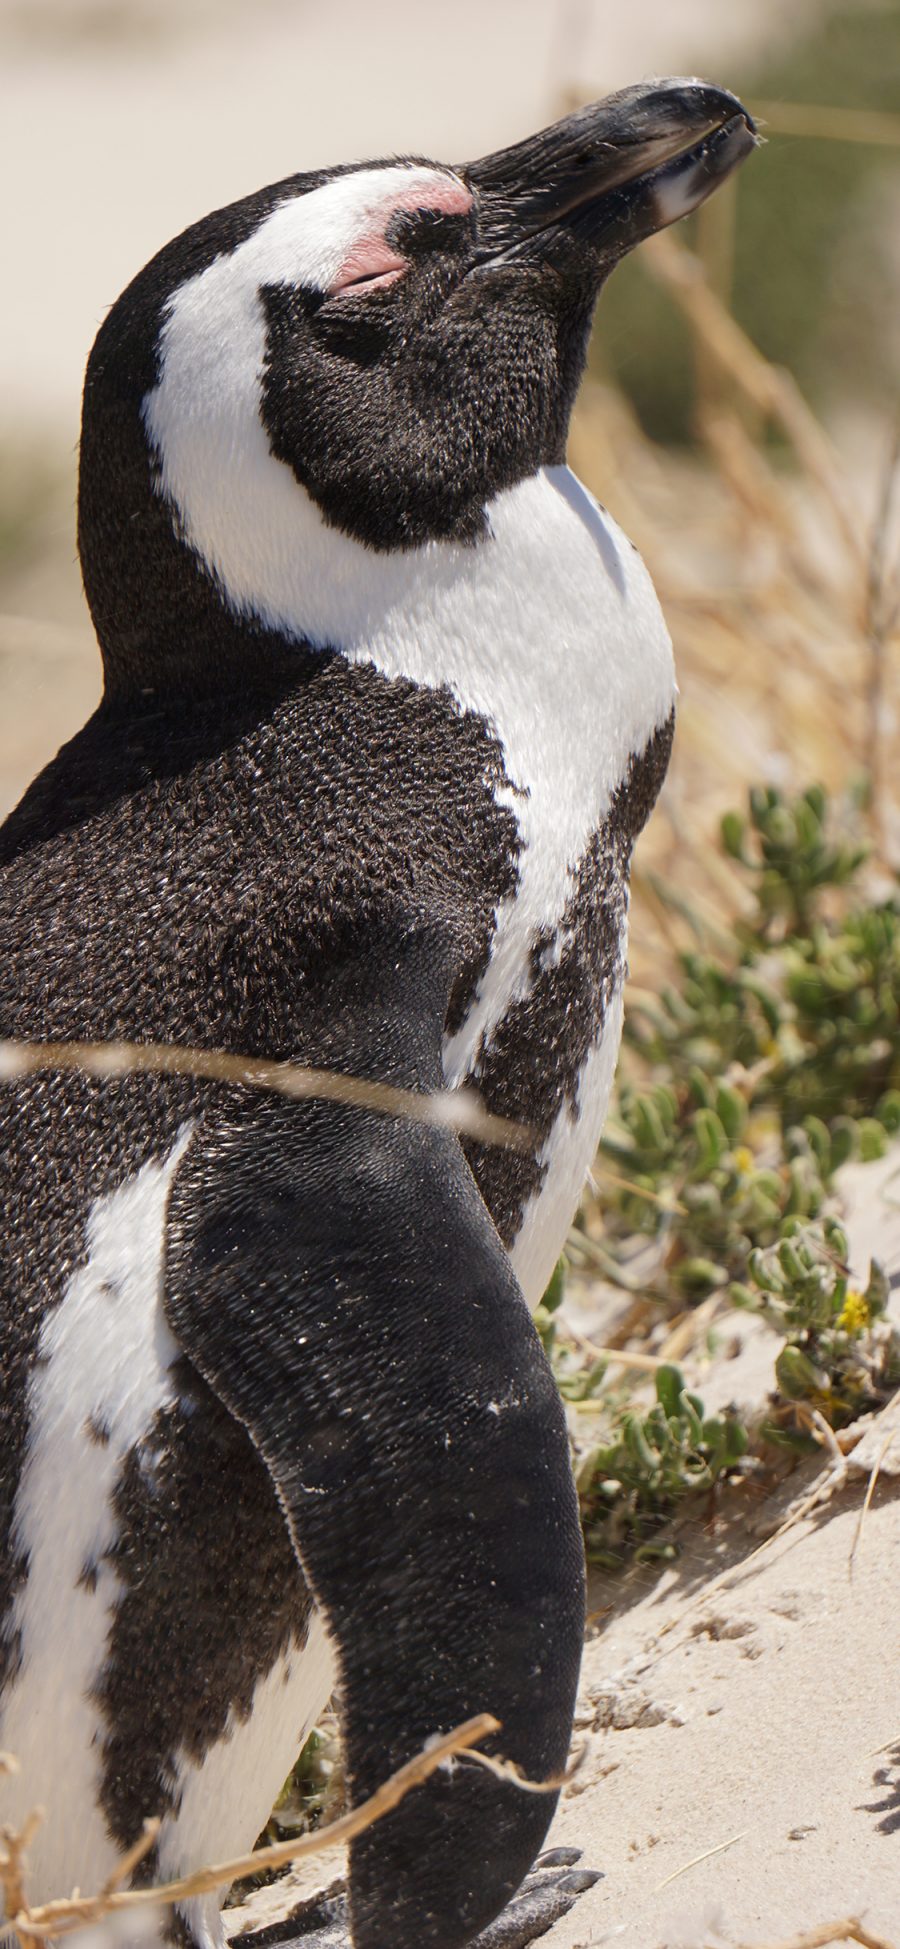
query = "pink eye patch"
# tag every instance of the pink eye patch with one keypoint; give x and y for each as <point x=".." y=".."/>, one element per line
<point x="371" y="260"/>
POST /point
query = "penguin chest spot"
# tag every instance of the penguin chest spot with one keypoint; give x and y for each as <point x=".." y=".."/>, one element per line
<point x="223" y="1799"/>
<point x="169" y="1661"/>
<point x="547" y="1059"/>
<point x="101" y="1376"/>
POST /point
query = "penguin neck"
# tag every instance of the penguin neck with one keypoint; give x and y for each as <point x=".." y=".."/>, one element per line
<point x="166" y="635"/>
<point x="548" y="623"/>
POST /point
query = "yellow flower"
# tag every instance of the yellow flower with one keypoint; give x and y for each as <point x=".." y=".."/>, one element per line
<point x="744" y="1159"/>
<point x="854" y="1314"/>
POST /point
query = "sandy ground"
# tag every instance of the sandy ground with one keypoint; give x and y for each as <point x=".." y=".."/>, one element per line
<point x="777" y="1696"/>
<point x="755" y="1723"/>
<point x="739" y="1715"/>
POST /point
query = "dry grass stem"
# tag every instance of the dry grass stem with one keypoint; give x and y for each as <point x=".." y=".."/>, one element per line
<point x="61" y="1917"/>
<point x="614" y="1356"/>
<point x="606" y="1176"/>
<point x="870" y="1491"/>
<point x="697" y="1858"/>
<point x="851" y="1929"/>
<point x="124" y="1869"/>
<point x="685" y="1332"/>
<point x="457" y="1110"/>
<point x="888" y="1747"/>
<point x="772" y="390"/>
<point x="508" y="1770"/>
<point x="882" y="603"/>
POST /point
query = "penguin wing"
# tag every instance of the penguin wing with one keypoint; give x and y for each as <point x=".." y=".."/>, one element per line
<point x="336" y="1278"/>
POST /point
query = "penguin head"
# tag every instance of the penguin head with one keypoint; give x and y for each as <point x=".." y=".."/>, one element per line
<point x="426" y="328"/>
<point x="380" y="350"/>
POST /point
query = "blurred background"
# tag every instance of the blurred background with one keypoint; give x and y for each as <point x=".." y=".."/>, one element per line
<point x="740" y="417"/>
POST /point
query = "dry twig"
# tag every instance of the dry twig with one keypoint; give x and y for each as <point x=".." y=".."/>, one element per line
<point x="13" y="1851"/>
<point x="874" y="1473"/>
<point x="720" y="1848"/>
<point x="771" y="389"/>
<point x="850" y="1929"/>
<point x="61" y="1917"/>
<point x="458" y="1110"/>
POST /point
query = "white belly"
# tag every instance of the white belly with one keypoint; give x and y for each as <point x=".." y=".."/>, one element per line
<point x="226" y="1800"/>
<point x="107" y="1355"/>
<point x="567" y="1156"/>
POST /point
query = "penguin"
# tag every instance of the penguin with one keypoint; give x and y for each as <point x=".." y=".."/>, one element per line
<point x="388" y="698"/>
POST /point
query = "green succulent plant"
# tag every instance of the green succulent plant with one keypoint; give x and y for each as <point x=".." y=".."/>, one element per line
<point x="632" y="1483"/>
<point x="840" y="1354"/>
<point x="771" y="1060"/>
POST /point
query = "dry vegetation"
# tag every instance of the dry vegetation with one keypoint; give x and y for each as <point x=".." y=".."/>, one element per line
<point x="778" y="572"/>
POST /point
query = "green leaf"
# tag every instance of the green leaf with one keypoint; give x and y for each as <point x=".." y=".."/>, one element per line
<point x="555" y="1291"/>
<point x="733" y="829"/>
<point x="797" y="1376"/>
<point x="669" y="1389"/>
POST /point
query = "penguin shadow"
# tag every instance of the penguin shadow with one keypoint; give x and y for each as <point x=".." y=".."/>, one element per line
<point x="546" y="1895"/>
<point x="887" y="1776"/>
<point x="592" y="517"/>
<point x="722" y="1535"/>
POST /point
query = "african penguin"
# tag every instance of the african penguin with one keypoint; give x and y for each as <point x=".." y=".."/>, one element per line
<point x="388" y="698"/>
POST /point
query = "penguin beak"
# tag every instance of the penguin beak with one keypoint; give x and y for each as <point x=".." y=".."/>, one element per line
<point x="611" y="174"/>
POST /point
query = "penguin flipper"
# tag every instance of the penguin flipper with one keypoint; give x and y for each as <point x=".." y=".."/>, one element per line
<point x="546" y="1895"/>
<point x="335" y="1277"/>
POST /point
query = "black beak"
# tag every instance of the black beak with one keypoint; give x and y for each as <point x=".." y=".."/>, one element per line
<point x="613" y="173"/>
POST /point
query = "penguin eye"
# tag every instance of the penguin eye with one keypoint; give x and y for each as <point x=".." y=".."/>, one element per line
<point x="371" y="264"/>
<point x="379" y="257"/>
